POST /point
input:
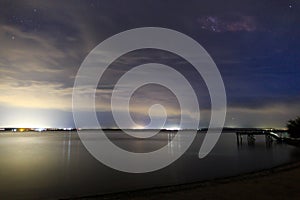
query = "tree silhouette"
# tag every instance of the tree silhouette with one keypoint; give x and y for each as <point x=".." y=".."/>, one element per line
<point x="293" y="126"/>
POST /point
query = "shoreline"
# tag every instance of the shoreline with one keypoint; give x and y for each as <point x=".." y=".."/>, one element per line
<point x="210" y="189"/>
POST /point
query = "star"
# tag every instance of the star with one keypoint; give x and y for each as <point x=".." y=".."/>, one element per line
<point x="290" y="6"/>
<point x="34" y="10"/>
<point x="13" y="37"/>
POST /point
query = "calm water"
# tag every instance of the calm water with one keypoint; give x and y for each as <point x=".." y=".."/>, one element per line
<point x="56" y="164"/>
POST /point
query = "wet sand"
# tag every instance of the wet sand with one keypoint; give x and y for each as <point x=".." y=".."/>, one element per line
<point x="277" y="183"/>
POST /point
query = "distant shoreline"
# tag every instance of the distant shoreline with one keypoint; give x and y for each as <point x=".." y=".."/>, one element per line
<point x="225" y="129"/>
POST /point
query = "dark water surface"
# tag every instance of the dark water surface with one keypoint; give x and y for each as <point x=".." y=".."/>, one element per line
<point x="56" y="164"/>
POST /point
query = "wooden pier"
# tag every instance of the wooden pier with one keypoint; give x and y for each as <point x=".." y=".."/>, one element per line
<point x="270" y="136"/>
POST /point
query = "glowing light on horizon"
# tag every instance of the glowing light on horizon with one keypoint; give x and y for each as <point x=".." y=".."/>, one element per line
<point x="138" y="127"/>
<point x="173" y="128"/>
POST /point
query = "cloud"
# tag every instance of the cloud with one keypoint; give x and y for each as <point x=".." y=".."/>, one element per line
<point x="35" y="72"/>
<point x="269" y="116"/>
<point x="35" y="75"/>
<point x="33" y="94"/>
<point x="33" y="56"/>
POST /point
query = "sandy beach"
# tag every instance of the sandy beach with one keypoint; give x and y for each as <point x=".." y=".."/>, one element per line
<point x="276" y="183"/>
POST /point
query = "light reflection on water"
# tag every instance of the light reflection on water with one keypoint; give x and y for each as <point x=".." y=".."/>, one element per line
<point x="56" y="164"/>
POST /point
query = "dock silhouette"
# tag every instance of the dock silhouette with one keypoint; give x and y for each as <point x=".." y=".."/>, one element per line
<point x="270" y="136"/>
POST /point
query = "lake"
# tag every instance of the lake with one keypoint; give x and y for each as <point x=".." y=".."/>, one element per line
<point x="56" y="164"/>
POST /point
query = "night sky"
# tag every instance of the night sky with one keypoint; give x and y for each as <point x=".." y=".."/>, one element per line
<point x="254" y="43"/>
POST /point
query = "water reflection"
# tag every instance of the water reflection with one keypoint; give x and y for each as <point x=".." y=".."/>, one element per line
<point x="174" y="145"/>
<point x="56" y="164"/>
<point x="66" y="147"/>
<point x="269" y="141"/>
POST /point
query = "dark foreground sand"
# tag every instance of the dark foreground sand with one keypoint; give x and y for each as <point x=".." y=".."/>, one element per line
<point x="277" y="183"/>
